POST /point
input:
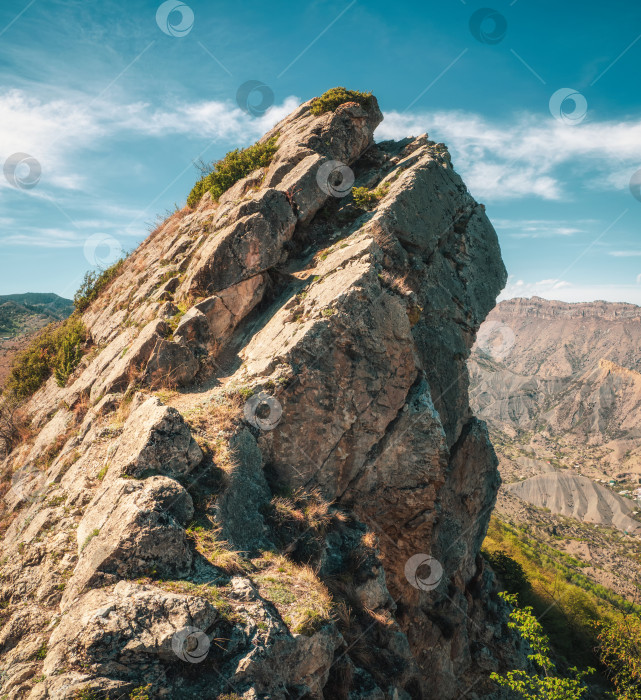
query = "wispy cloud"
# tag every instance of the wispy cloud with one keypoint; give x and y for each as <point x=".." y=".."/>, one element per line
<point x="57" y="132"/>
<point x="523" y="157"/>
<point x="625" y="253"/>
<point x="540" y="228"/>
<point x="499" y="161"/>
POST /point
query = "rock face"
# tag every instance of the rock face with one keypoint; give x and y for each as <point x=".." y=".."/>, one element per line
<point x="322" y="429"/>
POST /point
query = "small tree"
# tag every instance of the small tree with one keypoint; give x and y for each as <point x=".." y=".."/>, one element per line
<point x="67" y="358"/>
<point x="545" y="684"/>
<point x="10" y="424"/>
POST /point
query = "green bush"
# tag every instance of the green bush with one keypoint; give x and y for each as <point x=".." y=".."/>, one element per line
<point x="366" y="199"/>
<point x="69" y="354"/>
<point x="619" y="647"/>
<point x="337" y="96"/>
<point x="363" y="198"/>
<point x="570" y="606"/>
<point x="56" y="350"/>
<point x="94" y="282"/>
<point x="233" y="167"/>
<point x="140" y="693"/>
<point x="546" y="684"/>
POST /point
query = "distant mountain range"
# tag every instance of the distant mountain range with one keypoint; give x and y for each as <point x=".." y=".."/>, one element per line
<point x="20" y="313"/>
<point x="560" y="384"/>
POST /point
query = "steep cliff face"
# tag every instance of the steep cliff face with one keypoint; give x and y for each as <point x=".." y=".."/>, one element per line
<point x="280" y="373"/>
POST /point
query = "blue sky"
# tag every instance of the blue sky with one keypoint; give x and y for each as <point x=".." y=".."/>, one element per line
<point x="114" y="112"/>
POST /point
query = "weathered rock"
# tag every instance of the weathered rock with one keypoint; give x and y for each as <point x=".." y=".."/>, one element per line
<point x="125" y="631"/>
<point x="130" y="529"/>
<point x="210" y="322"/>
<point x="155" y="438"/>
<point x="170" y="365"/>
<point x="245" y="498"/>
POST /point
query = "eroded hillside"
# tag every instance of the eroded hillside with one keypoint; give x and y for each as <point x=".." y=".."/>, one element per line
<point x="264" y="478"/>
<point x="559" y="386"/>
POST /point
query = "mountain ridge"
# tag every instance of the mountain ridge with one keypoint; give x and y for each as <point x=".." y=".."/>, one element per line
<point x="267" y="441"/>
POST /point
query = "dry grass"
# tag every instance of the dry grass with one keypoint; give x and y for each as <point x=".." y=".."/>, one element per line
<point x="169" y="221"/>
<point x="369" y="540"/>
<point x="396" y="283"/>
<point x="203" y="590"/>
<point x="205" y="538"/>
<point x="14" y="427"/>
<point x="215" y="425"/>
<point x="166" y="395"/>
<point x="81" y="407"/>
<point x="383" y="617"/>
<point x="300" y="521"/>
<point x="300" y="597"/>
<point x="119" y="418"/>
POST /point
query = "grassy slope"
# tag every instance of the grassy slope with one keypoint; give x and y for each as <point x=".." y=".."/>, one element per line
<point x="566" y="601"/>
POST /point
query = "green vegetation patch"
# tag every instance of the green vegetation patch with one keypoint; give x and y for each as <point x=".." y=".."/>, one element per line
<point x="546" y="684"/>
<point x="94" y="282"/>
<point x="367" y="199"/>
<point x="56" y="350"/>
<point x="337" y="96"/>
<point x="578" y="616"/>
<point x="301" y="598"/>
<point x="236" y="165"/>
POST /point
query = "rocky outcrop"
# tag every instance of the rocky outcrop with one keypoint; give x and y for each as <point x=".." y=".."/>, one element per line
<point x="304" y="517"/>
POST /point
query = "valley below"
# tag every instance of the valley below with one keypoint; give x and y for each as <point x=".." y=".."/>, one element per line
<point x="560" y="389"/>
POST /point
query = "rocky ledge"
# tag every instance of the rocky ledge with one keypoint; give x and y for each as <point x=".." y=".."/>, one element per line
<point x="265" y="479"/>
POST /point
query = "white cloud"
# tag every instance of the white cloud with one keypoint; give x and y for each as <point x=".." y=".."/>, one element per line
<point x="625" y="253"/>
<point x="539" y="228"/>
<point x="498" y="160"/>
<point x="522" y="157"/>
<point x="57" y="132"/>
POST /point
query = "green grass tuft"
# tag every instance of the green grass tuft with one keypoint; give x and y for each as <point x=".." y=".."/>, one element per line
<point x="236" y="165"/>
<point x="367" y="199"/>
<point x="337" y="96"/>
